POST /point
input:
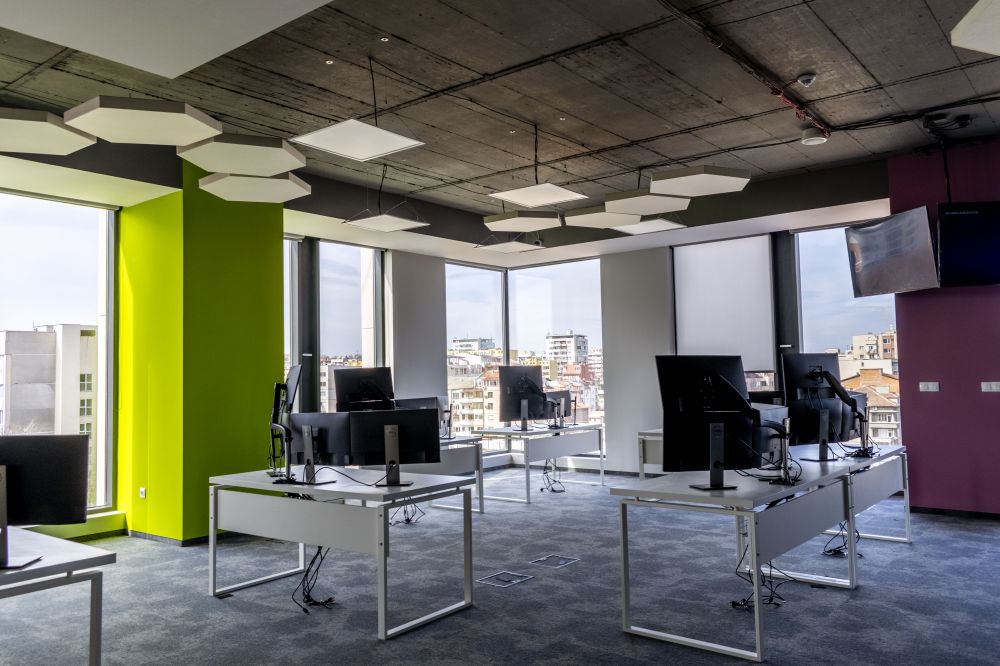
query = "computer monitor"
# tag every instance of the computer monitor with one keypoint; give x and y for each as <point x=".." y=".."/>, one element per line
<point x="557" y="398"/>
<point x="331" y="437"/>
<point x="819" y="408"/>
<point x="363" y="389"/>
<point x="44" y="482"/>
<point x="281" y="406"/>
<point x="393" y="438"/>
<point x="439" y="402"/>
<point x="522" y="397"/>
<point x="708" y="423"/>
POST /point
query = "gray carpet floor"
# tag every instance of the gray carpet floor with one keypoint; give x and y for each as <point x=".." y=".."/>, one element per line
<point x="936" y="601"/>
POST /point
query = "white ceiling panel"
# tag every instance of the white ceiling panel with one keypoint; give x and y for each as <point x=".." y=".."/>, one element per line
<point x="165" y="38"/>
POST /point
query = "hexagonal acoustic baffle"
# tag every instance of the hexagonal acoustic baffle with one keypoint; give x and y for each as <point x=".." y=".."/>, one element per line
<point x="151" y="121"/>
<point x="598" y="217"/>
<point x="39" y="132"/>
<point x="643" y="202"/>
<point x="243" y="154"/>
<point x="699" y="181"/>
<point x="521" y="221"/>
<point x="276" y="189"/>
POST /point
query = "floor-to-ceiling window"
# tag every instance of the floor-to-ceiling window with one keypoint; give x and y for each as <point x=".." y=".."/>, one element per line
<point x="348" y="285"/>
<point x="54" y="315"/>
<point x="861" y="331"/>
<point x="475" y="345"/>
<point x="289" y="266"/>
<point x="555" y="322"/>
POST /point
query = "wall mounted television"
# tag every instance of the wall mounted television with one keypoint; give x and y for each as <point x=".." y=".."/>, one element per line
<point x="892" y="255"/>
<point x="969" y="244"/>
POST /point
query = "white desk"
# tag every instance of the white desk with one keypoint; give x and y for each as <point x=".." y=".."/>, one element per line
<point x="332" y="522"/>
<point x="650" y="449"/>
<point x="770" y="521"/>
<point x="462" y="454"/>
<point x="62" y="564"/>
<point x="540" y="444"/>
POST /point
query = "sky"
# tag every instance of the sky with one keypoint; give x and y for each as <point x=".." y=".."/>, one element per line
<point x="830" y="313"/>
<point x="340" y="299"/>
<point x="48" y="263"/>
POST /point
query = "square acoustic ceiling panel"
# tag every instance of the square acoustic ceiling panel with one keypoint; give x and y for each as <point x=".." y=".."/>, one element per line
<point x="165" y="37"/>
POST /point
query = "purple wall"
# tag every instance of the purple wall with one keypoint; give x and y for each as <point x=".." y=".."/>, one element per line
<point x="951" y="336"/>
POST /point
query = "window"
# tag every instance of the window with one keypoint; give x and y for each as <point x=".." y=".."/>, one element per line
<point x="55" y="301"/>
<point x="289" y="269"/>
<point x="474" y="304"/>
<point x="348" y="282"/>
<point x="834" y="321"/>
<point x="555" y="322"/>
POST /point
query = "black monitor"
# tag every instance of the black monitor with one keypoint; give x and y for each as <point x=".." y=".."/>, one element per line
<point x="45" y="483"/>
<point x="417" y="439"/>
<point x="522" y="397"/>
<point x="819" y="408"/>
<point x="331" y="438"/>
<point x="439" y="403"/>
<point x="700" y="393"/>
<point x="363" y="389"/>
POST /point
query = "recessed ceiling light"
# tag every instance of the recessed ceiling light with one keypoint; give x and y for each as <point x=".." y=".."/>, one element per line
<point x="979" y="30"/>
<point x="511" y="247"/>
<point x="277" y="189"/>
<point x="642" y="202"/>
<point x="39" y="132"/>
<point x="562" y="118"/>
<point x="699" y="181"/>
<point x="597" y="217"/>
<point x="649" y="225"/>
<point x="383" y="39"/>
<point x="533" y="196"/>
<point x="813" y="136"/>
<point x="356" y="140"/>
<point x="522" y="221"/>
<point x="511" y="131"/>
<point x="329" y="62"/>
<point x="385" y="222"/>
<point x="243" y="154"/>
<point x="137" y="120"/>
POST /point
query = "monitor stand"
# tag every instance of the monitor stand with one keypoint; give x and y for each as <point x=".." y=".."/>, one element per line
<point x="524" y="414"/>
<point x="392" y="459"/>
<point x="6" y="561"/>
<point x="824" y="438"/>
<point x="309" y="455"/>
<point x="717" y="452"/>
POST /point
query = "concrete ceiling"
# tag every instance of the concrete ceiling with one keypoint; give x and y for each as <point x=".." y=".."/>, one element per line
<point x="616" y="89"/>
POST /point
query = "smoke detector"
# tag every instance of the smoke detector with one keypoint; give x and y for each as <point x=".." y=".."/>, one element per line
<point x="806" y="79"/>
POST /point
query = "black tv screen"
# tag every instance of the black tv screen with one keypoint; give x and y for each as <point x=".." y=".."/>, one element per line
<point x="969" y="244"/>
<point x="892" y="255"/>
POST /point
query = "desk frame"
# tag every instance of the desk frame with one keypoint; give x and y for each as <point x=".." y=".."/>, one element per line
<point x="338" y="515"/>
<point x="550" y="446"/>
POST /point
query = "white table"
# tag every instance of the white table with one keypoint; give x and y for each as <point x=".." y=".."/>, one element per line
<point x="331" y="521"/>
<point x="770" y="521"/>
<point x="63" y="563"/>
<point x="540" y="444"/>
<point x="649" y="451"/>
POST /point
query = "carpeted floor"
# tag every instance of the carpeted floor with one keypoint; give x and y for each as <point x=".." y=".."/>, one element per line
<point x="936" y="601"/>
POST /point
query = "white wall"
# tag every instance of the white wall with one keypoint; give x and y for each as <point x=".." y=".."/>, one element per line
<point x="638" y="323"/>
<point x="416" y="334"/>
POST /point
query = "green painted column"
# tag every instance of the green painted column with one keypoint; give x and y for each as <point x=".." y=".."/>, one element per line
<point x="200" y="327"/>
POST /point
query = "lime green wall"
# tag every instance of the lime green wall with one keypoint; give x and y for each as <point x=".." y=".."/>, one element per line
<point x="150" y="344"/>
<point x="199" y="348"/>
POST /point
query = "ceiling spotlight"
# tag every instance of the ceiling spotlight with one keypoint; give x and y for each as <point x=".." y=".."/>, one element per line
<point x="383" y="39"/>
<point x="562" y="117"/>
<point x="813" y="136"/>
<point x="511" y="131"/>
<point x="806" y="79"/>
<point x="329" y="62"/>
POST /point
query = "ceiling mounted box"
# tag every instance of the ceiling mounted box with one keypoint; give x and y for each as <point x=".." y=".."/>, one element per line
<point x="522" y="221"/>
<point x="649" y="225"/>
<point x="597" y="217"/>
<point x="356" y="140"/>
<point x="385" y="222"/>
<point x="979" y="30"/>
<point x="135" y="120"/>
<point x="510" y="247"/>
<point x="39" y="132"/>
<point x="643" y="202"/>
<point x="243" y="154"/>
<point x="277" y="189"/>
<point x="545" y="194"/>
<point x="699" y="181"/>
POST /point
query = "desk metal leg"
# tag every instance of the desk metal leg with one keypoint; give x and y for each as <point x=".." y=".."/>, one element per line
<point x="96" y="603"/>
<point x="626" y="599"/>
<point x="601" y="451"/>
<point x="852" y="544"/>
<point x="381" y="575"/>
<point x="642" y="458"/>
<point x="467" y="539"/>
<point x="908" y="534"/>
<point x="527" y="471"/>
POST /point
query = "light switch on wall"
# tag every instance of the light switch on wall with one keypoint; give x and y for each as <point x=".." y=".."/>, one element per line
<point x="991" y="387"/>
<point x="929" y="387"/>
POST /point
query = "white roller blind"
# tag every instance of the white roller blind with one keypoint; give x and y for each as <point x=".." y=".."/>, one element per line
<point x="724" y="300"/>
